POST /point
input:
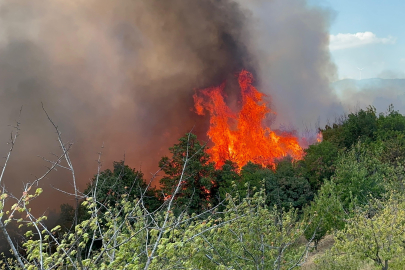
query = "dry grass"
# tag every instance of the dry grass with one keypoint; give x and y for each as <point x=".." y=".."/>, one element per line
<point x="324" y="245"/>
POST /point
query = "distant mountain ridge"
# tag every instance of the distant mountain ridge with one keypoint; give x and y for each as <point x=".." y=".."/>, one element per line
<point x="377" y="92"/>
<point x="372" y="82"/>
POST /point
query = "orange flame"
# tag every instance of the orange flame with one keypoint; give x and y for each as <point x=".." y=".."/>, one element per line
<point x="319" y="137"/>
<point x="249" y="140"/>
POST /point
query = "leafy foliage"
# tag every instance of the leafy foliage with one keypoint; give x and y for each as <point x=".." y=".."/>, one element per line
<point x="252" y="236"/>
<point x="285" y="188"/>
<point x="110" y="185"/>
<point x="248" y="235"/>
<point x="227" y="181"/>
<point x="375" y="233"/>
<point x="319" y="163"/>
<point x="66" y="217"/>
<point x="361" y="125"/>
<point x="359" y="175"/>
<point x="197" y="174"/>
<point x="326" y="212"/>
<point x="350" y="185"/>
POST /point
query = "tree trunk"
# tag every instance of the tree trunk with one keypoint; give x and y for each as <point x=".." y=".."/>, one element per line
<point x="385" y="266"/>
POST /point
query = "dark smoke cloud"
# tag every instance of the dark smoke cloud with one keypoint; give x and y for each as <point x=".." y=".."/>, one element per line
<point x="119" y="72"/>
<point x="122" y="73"/>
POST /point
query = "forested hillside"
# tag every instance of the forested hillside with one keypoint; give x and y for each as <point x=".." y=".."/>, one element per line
<point x="350" y="185"/>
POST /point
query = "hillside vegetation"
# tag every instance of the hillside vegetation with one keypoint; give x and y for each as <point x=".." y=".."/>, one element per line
<point x="349" y="187"/>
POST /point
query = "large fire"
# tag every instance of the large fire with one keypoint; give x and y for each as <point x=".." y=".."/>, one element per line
<point x="242" y="137"/>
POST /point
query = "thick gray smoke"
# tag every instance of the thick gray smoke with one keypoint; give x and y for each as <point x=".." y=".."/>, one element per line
<point x="291" y="42"/>
<point x="122" y="73"/>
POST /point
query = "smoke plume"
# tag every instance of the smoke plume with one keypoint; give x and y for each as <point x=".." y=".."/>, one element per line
<point x="122" y="73"/>
<point x="291" y="40"/>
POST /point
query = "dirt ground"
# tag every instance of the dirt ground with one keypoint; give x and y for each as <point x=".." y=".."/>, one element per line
<point x="323" y="245"/>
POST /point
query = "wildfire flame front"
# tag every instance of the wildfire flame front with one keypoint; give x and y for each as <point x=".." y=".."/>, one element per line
<point x="249" y="140"/>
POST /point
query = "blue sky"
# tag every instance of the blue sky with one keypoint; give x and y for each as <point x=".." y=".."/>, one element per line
<point x="368" y="34"/>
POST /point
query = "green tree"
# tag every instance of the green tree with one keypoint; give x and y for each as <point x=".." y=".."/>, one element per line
<point x="360" y="174"/>
<point x="109" y="185"/>
<point x="197" y="176"/>
<point x="390" y="125"/>
<point x="227" y="181"/>
<point x="66" y="217"/>
<point x="318" y="163"/>
<point x="248" y="236"/>
<point x="361" y="125"/>
<point x="324" y="214"/>
<point x="375" y="233"/>
<point x="391" y="136"/>
<point x="252" y="176"/>
<point x="285" y="188"/>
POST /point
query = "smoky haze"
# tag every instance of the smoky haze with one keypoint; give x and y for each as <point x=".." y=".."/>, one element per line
<point x="122" y="74"/>
<point x="295" y="68"/>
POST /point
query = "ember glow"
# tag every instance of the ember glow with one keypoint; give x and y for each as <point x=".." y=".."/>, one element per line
<point x="319" y="137"/>
<point x="242" y="137"/>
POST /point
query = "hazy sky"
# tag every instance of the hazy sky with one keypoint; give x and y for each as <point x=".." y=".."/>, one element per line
<point x="367" y="34"/>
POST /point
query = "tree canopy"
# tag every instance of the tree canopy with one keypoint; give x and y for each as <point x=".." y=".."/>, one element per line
<point x="351" y="186"/>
